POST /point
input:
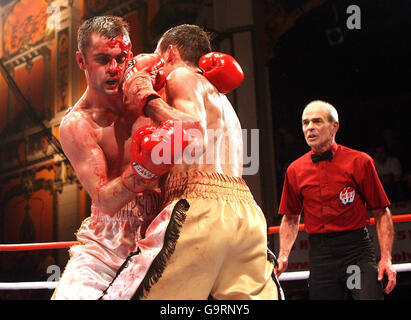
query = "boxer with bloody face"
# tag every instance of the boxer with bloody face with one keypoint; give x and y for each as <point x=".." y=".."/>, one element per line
<point x="96" y="135"/>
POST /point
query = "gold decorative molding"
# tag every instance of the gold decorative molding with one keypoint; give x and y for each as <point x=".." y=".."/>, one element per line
<point x="25" y="26"/>
<point x="26" y="57"/>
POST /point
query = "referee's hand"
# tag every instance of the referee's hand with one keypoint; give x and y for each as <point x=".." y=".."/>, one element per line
<point x="385" y="267"/>
<point x="282" y="265"/>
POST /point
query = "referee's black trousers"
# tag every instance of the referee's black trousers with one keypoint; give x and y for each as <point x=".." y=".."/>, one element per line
<point x="343" y="266"/>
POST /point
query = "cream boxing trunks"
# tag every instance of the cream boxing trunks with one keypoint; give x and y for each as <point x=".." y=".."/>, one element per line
<point x="210" y="238"/>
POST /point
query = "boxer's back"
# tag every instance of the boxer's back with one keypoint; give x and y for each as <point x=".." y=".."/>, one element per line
<point x="223" y="150"/>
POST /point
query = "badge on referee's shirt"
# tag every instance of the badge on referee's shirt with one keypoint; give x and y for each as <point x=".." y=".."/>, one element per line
<point x="347" y="195"/>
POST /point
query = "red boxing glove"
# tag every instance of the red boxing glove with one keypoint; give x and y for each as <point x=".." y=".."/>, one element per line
<point x="143" y="79"/>
<point x="151" y="63"/>
<point x="222" y="70"/>
<point x="154" y="151"/>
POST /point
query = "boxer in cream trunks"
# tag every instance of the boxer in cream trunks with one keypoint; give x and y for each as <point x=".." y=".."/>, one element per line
<point x="209" y="235"/>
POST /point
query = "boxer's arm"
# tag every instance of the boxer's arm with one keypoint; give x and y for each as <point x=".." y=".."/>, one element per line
<point x="184" y="103"/>
<point x="79" y="143"/>
<point x="184" y="99"/>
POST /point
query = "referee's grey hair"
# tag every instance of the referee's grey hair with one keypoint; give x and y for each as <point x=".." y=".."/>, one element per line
<point x="332" y="112"/>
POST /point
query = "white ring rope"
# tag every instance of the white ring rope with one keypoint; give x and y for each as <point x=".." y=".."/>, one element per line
<point x="286" y="276"/>
<point x="28" y="285"/>
<point x="302" y="275"/>
<point x="296" y="275"/>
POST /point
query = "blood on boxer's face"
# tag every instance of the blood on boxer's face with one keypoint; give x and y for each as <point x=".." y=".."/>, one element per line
<point x="123" y="42"/>
<point x="106" y="60"/>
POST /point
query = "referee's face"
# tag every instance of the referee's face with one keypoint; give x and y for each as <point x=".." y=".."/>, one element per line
<point x="318" y="131"/>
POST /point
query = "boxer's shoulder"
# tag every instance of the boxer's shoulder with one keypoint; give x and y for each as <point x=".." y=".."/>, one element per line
<point x="70" y="116"/>
<point x="76" y="122"/>
<point x="183" y="74"/>
<point x="187" y="79"/>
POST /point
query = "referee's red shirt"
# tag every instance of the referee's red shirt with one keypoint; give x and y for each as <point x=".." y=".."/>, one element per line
<point x="333" y="195"/>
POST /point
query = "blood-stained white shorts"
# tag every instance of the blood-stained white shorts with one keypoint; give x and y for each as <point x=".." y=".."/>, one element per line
<point x="105" y="244"/>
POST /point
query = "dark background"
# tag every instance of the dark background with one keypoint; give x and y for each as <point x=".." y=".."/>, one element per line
<point x="365" y="76"/>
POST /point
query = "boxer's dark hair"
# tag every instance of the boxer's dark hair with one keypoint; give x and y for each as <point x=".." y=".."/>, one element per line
<point x="192" y="42"/>
<point x="108" y="26"/>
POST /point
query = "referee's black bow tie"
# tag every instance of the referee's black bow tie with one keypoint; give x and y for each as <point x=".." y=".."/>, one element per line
<point x="328" y="155"/>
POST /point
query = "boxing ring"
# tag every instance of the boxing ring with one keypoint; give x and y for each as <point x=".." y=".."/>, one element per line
<point x="286" y="276"/>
